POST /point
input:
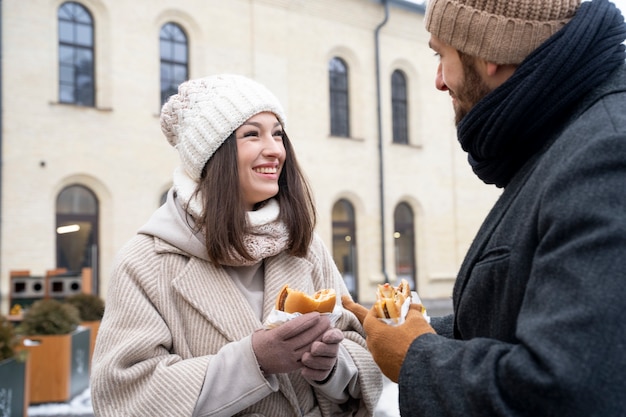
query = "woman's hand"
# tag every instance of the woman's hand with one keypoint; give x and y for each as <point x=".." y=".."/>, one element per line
<point x="280" y="350"/>
<point x="320" y="361"/>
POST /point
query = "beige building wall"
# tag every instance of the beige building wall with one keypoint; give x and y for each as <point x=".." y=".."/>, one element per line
<point x="118" y="151"/>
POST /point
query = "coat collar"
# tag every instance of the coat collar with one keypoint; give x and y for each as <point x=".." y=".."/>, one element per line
<point x="212" y="292"/>
<point x="614" y="84"/>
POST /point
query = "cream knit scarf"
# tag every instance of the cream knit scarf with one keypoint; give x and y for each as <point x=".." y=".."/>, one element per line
<point x="267" y="235"/>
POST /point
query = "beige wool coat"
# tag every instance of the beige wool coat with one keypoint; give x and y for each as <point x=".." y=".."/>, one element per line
<point x="168" y="314"/>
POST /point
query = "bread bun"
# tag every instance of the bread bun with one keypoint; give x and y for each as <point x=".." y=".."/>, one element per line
<point x="389" y="299"/>
<point x="294" y="301"/>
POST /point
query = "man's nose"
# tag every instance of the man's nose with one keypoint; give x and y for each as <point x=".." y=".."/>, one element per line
<point x="439" y="82"/>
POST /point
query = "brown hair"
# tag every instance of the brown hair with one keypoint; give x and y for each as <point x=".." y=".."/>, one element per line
<point x="224" y="220"/>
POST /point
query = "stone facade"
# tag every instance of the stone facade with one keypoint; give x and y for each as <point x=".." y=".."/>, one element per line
<point x="117" y="150"/>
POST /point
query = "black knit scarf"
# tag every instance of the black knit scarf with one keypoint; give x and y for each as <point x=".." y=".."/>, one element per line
<point x="514" y="121"/>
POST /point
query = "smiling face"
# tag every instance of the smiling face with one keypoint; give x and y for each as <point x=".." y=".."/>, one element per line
<point x="260" y="157"/>
<point x="458" y="75"/>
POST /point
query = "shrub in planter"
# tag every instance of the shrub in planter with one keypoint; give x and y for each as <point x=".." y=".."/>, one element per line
<point x="58" y="351"/>
<point x="8" y="339"/>
<point x="13" y="373"/>
<point x="91" y="309"/>
<point x="49" y="317"/>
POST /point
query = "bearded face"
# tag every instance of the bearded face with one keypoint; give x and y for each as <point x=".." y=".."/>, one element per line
<point x="469" y="92"/>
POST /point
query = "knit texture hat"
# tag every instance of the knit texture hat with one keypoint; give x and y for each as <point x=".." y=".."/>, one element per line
<point x="206" y="111"/>
<point x="498" y="31"/>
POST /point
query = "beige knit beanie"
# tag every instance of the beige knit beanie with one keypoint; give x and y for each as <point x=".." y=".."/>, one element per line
<point x="206" y="111"/>
<point x="499" y="31"/>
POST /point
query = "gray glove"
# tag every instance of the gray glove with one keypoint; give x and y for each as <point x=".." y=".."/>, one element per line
<point x="320" y="360"/>
<point x="279" y="350"/>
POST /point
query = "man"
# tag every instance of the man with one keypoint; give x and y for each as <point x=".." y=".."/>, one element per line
<point x="539" y="92"/>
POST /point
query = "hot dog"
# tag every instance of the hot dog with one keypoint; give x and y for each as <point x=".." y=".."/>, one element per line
<point x="389" y="299"/>
<point x="290" y="300"/>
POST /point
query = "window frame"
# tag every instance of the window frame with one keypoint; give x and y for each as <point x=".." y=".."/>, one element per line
<point x="174" y="38"/>
<point x="399" y="108"/>
<point x="76" y="213"/>
<point x="76" y="86"/>
<point x="339" y="92"/>
<point x="344" y="248"/>
<point x="404" y="244"/>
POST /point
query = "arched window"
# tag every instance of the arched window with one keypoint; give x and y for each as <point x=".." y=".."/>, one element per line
<point x="339" y="99"/>
<point x="399" y="108"/>
<point x="77" y="231"/>
<point x="344" y="244"/>
<point x="76" y="56"/>
<point x="174" y="52"/>
<point x="404" y="237"/>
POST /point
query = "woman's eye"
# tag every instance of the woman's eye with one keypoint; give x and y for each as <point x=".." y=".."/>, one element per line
<point x="250" y="134"/>
<point x="278" y="133"/>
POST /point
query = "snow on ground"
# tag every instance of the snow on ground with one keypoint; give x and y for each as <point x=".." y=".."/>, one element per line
<point x="388" y="403"/>
<point x="80" y="406"/>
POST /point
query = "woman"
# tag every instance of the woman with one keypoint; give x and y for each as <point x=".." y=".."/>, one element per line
<point x="183" y="332"/>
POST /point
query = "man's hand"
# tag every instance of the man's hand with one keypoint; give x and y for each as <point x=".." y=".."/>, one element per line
<point x="389" y="344"/>
<point x="359" y="311"/>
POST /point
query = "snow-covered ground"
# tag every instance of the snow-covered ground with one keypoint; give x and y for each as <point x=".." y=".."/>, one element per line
<point x="388" y="404"/>
<point x="80" y="406"/>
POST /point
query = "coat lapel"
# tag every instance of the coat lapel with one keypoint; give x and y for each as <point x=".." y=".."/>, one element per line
<point x="227" y="309"/>
<point x="284" y="269"/>
<point x="280" y="270"/>
<point x="212" y="292"/>
<point x="483" y="236"/>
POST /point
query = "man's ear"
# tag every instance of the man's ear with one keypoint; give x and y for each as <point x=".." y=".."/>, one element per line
<point x="492" y="69"/>
<point x="497" y="74"/>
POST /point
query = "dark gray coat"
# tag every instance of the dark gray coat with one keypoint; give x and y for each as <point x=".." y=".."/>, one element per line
<point x="539" y="326"/>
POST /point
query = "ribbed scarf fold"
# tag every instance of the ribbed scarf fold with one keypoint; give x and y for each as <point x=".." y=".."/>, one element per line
<point x="267" y="235"/>
<point x="514" y="121"/>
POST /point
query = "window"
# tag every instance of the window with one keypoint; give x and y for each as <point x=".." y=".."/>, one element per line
<point x="404" y="239"/>
<point x="344" y="244"/>
<point x="399" y="108"/>
<point x="77" y="230"/>
<point x="174" y="59"/>
<point x="339" y="109"/>
<point x="76" y="57"/>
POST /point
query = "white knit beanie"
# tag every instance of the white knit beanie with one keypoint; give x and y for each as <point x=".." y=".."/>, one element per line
<point x="206" y="111"/>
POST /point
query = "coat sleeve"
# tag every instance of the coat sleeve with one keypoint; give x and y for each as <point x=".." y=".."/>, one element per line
<point x="133" y="372"/>
<point x="568" y="355"/>
<point x="444" y="326"/>
<point x="225" y="392"/>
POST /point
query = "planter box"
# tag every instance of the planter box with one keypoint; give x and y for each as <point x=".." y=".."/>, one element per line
<point x="59" y="366"/>
<point x="13" y="388"/>
<point x="93" y="328"/>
